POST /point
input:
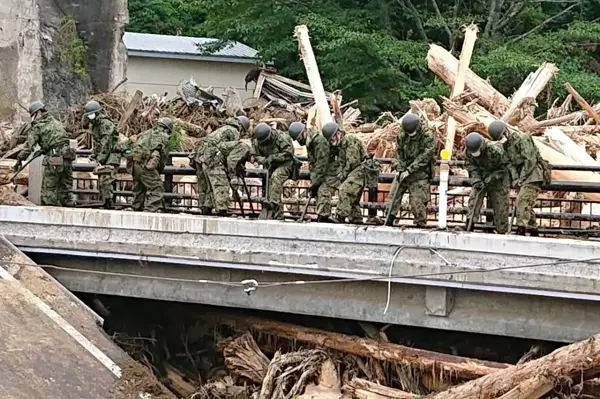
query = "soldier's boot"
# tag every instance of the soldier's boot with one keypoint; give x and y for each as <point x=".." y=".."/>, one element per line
<point x="356" y="220"/>
<point x="222" y="212"/>
<point x="323" y="219"/>
<point x="471" y="228"/>
<point x="374" y="220"/>
<point x="534" y="232"/>
<point x="108" y="204"/>
<point x="521" y="231"/>
<point x="390" y="221"/>
<point x="206" y="210"/>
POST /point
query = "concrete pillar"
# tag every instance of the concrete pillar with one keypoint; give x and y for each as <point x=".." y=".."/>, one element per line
<point x="439" y="301"/>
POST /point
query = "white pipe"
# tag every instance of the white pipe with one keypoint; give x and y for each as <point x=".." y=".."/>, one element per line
<point x="443" y="190"/>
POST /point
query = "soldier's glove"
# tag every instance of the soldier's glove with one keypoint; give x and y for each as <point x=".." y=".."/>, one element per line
<point x="259" y="160"/>
<point x="267" y="162"/>
<point x="403" y="175"/>
<point x="478" y="186"/>
<point x="518" y="183"/>
<point x="17" y="165"/>
<point x="192" y="163"/>
<point x="314" y="190"/>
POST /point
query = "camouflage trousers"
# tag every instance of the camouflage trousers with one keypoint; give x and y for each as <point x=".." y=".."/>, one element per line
<point x="277" y="178"/>
<point x="324" y="195"/>
<point x="497" y="194"/>
<point x="148" y="189"/>
<point x="525" y="216"/>
<point x="57" y="185"/>
<point x="349" y="195"/>
<point x="419" y="191"/>
<point x="205" y="199"/>
<point x="106" y="182"/>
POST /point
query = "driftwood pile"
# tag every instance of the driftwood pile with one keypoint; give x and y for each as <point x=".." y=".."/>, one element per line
<point x="266" y="359"/>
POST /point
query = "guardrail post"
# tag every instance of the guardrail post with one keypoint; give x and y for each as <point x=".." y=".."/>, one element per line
<point x="443" y="190"/>
<point x="168" y="184"/>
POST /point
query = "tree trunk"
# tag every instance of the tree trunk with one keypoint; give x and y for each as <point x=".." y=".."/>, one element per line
<point x="568" y="361"/>
<point x="360" y="388"/>
<point x="532" y="388"/>
<point x="434" y="362"/>
<point x="244" y="358"/>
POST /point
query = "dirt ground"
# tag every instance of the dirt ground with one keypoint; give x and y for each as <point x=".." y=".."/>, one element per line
<point x="137" y="382"/>
<point x="9" y="197"/>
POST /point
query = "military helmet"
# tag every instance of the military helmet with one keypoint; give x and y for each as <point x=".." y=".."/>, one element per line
<point x="35" y="107"/>
<point x="330" y="129"/>
<point x="244" y="121"/>
<point x="166" y="123"/>
<point x="474" y="142"/>
<point x="496" y="129"/>
<point x="296" y="129"/>
<point x="410" y="123"/>
<point x="92" y="107"/>
<point x="262" y="132"/>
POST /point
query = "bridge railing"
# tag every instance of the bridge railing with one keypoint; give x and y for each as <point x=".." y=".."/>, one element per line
<point x="559" y="207"/>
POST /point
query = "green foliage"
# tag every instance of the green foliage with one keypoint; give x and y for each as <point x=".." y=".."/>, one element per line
<point x="375" y="50"/>
<point x="174" y="144"/>
<point x="71" y="48"/>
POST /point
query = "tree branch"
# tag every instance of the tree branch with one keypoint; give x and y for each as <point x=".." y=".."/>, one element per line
<point x="446" y="27"/>
<point x="514" y="10"/>
<point x="407" y="4"/>
<point x="529" y="32"/>
<point x="490" y="20"/>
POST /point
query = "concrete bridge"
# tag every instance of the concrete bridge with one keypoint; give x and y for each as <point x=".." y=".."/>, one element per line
<point x="538" y="288"/>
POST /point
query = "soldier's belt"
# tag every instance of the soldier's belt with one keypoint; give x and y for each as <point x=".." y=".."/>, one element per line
<point x="55" y="161"/>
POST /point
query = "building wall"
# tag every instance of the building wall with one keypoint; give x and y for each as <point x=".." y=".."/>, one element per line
<point x="159" y="75"/>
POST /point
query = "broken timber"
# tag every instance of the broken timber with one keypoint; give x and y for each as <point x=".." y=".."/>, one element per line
<point x="461" y="367"/>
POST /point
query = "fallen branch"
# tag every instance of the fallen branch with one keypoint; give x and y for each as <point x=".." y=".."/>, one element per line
<point x="434" y="362"/>
<point x="360" y="388"/>
<point x="532" y="388"/>
<point x="568" y="361"/>
<point x="583" y="104"/>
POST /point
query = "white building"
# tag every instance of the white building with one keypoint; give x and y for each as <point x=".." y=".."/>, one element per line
<point x="157" y="63"/>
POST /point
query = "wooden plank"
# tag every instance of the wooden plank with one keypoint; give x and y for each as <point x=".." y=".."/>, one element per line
<point x="134" y="104"/>
<point x="259" y="85"/>
<point x="583" y="104"/>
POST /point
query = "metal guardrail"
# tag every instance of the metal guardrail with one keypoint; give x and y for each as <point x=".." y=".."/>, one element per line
<point x="559" y="214"/>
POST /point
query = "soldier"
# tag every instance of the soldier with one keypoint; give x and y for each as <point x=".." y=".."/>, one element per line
<point x="105" y="153"/>
<point x="50" y="135"/>
<point x="356" y="172"/>
<point x="213" y="183"/>
<point x="415" y="146"/>
<point x="529" y="171"/>
<point x="488" y="171"/>
<point x="149" y="157"/>
<point x="322" y="165"/>
<point x="275" y="151"/>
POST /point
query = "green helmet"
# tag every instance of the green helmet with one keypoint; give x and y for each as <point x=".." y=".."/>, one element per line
<point x="410" y="123"/>
<point x="496" y="129"/>
<point x="92" y="107"/>
<point x="330" y="129"/>
<point x="244" y="121"/>
<point x="474" y="142"/>
<point x="262" y="131"/>
<point x="296" y="129"/>
<point x="35" y="107"/>
<point x="166" y="123"/>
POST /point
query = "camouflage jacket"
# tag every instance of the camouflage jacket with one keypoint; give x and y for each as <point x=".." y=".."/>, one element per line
<point x="106" y="140"/>
<point x="155" y="139"/>
<point x="415" y="154"/>
<point x="236" y="154"/>
<point x="229" y="132"/>
<point x="526" y="163"/>
<point x="279" y="148"/>
<point x="49" y="134"/>
<point x="352" y="154"/>
<point x="490" y="167"/>
<point x="319" y="158"/>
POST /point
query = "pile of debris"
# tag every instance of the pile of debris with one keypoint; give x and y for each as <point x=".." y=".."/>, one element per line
<point x="266" y="359"/>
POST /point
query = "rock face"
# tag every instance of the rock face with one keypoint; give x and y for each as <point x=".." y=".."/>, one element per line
<point x="59" y="51"/>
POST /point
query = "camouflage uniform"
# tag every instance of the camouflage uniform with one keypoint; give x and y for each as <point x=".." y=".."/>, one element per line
<point x="106" y="138"/>
<point x="215" y="188"/>
<point x="323" y="169"/>
<point x="414" y="155"/>
<point x="491" y="168"/>
<point x="149" y="158"/>
<point x="529" y="171"/>
<point x="57" y="183"/>
<point x="356" y="172"/>
<point x="279" y="154"/>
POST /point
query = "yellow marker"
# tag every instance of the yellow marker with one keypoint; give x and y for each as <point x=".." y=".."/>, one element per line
<point x="445" y="154"/>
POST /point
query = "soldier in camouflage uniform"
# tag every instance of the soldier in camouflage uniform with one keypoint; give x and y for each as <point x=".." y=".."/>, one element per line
<point x="209" y="160"/>
<point x="415" y="146"/>
<point x="50" y="135"/>
<point x="105" y="150"/>
<point x="356" y="171"/>
<point x="322" y="164"/>
<point x="275" y="151"/>
<point x="488" y="170"/>
<point x="149" y="156"/>
<point x="529" y="171"/>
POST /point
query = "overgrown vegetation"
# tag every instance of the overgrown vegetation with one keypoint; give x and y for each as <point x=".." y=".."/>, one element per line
<point x="71" y="48"/>
<point x="374" y="50"/>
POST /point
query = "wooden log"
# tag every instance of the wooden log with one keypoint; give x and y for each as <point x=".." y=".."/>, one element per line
<point x="434" y="362"/>
<point x="459" y="84"/>
<point x="532" y="388"/>
<point x="312" y="72"/>
<point x="244" y="358"/>
<point x="328" y="386"/>
<point x="583" y="104"/>
<point x="569" y="118"/>
<point x="359" y="388"/>
<point x="530" y="88"/>
<point x="568" y="361"/>
<point x="176" y="382"/>
<point x="134" y="104"/>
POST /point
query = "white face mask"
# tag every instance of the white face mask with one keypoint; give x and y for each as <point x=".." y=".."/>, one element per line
<point x="476" y="154"/>
<point x="413" y="134"/>
<point x="91" y="117"/>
